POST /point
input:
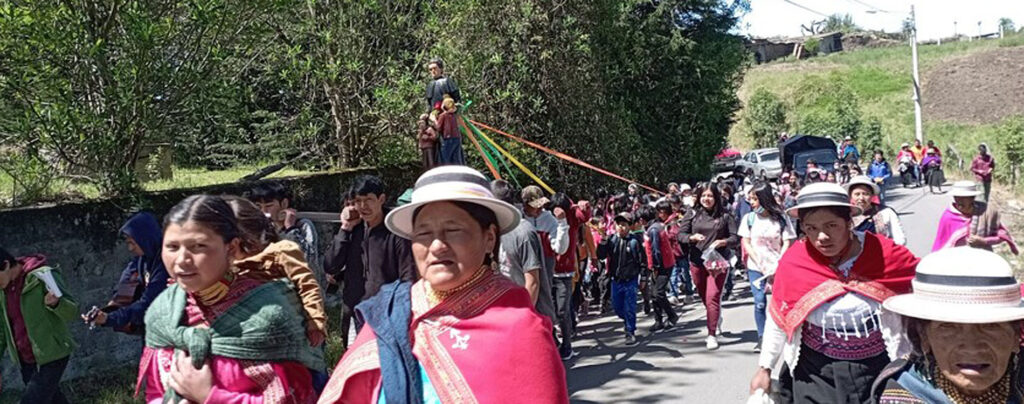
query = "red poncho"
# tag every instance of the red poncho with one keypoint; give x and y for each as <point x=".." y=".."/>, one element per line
<point x="805" y="278"/>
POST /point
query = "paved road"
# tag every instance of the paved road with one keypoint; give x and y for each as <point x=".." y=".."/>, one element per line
<point x="674" y="366"/>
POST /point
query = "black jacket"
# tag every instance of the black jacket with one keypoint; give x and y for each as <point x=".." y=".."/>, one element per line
<point x="625" y="257"/>
<point x="713" y="228"/>
<point x="368" y="259"/>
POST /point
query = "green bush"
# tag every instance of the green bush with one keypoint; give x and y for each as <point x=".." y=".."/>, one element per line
<point x="826" y="106"/>
<point x="1011" y="139"/>
<point x="765" y="116"/>
<point x="871" y="136"/>
<point x="811" y="46"/>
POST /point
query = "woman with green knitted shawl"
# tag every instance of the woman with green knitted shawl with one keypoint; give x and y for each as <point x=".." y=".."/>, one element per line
<point x="212" y="337"/>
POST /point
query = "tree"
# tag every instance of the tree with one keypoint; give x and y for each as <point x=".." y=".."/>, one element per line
<point x="871" y="136"/>
<point x="1011" y="139"/>
<point x="1006" y="25"/>
<point x="765" y="116"/>
<point x="840" y="23"/>
<point x="89" y="83"/>
<point x="825" y="105"/>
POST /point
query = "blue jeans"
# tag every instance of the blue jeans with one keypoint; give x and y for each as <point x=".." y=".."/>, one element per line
<point x="760" y="300"/>
<point x="451" y="151"/>
<point x="681" y="272"/>
<point x="624" y="302"/>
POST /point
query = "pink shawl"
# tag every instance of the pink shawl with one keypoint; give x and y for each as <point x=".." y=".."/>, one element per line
<point x="955" y="228"/>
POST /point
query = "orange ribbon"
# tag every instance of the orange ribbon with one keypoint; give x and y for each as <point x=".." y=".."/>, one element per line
<point x="564" y="156"/>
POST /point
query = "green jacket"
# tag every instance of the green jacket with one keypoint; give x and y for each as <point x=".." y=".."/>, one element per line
<point x="47" y="326"/>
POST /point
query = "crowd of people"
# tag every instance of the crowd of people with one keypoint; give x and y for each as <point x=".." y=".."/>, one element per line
<point x="471" y="281"/>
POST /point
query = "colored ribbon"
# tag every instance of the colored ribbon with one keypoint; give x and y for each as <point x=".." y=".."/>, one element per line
<point x="486" y="158"/>
<point x="563" y="156"/>
<point x="513" y="159"/>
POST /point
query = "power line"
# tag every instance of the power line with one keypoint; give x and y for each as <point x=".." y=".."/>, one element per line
<point x="805" y="8"/>
<point x="873" y="8"/>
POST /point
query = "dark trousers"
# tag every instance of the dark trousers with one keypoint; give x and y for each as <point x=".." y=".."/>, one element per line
<point x="662" y="308"/>
<point x="347" y="313"/>
<point x="451" y="151"/>
<point x="42" y="383"/>
<point x="563" y="311"/>
<point x="429" y="156"/>
<point x="606" y="291"/>
<point x="645" y="290"/>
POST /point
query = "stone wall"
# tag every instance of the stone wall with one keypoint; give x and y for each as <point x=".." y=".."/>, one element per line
<point x="82" y="240"/>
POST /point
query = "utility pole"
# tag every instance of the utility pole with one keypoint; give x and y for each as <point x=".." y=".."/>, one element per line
<point x="918" y="132"/>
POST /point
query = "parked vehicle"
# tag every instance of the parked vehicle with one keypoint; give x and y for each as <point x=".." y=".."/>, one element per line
<point x="726" y="160"/>
<point x="763" y="163"/>
<point x="795" y="152"/>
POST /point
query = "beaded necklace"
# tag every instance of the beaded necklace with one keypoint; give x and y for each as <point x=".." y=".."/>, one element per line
<point x="214" y="293"/>
<point x="997" y="394"/>
<point x="437" y="296"/>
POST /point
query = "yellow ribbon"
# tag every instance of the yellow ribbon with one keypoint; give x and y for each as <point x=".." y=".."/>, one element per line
<point x="517" y="163"/>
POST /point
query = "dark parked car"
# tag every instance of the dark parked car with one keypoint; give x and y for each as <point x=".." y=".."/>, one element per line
<point x="798" y="149"/>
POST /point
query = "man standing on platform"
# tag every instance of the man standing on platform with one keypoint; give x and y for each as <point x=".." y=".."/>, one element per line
<point x="440" y="85"/>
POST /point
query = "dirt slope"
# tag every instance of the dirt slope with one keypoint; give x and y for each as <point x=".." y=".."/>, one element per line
<point x="979" y="88"/>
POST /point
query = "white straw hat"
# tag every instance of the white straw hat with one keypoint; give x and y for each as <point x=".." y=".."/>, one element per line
<point x="453" y="183"/>
<point x="965" y="189"/>
<point x="862" y="180"/>
<point x="961" y="285"/>
<point x="821" y="194"/>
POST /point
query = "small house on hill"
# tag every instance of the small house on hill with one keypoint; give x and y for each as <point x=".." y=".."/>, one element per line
<point x="767" y="50"/>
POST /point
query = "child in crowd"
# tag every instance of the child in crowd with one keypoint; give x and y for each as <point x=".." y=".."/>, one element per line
<point x="141" y="281"/>
<point x="426" y="138"/>
<point x="36" y="309"/>
<point x="263" y="256"/>
<point x="275" y="200"/>
<point x="451" y="139"/>
<point x="624" y="253"/>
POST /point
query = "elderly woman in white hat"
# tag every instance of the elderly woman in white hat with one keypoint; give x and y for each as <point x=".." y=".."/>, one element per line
<point x="825" y="320"/>
<point x="971" y="223"/>
<point x="963" y="322"/>
<point x="462" y="333"/>
<point x="881" y="220"/>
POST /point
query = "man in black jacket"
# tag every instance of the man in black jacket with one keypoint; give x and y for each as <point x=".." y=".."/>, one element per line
<point x="364" y="246"/>
<point x="625" y="262"/>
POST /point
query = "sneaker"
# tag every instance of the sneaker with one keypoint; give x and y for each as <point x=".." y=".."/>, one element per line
<point x="688" y="299"/>
<point x="568" y="355"/>
<point x="630" y="339"/>
<point x="671" y="323"/>
<point x="674" y="300"/>
<point x="712" y="343"/>
<point x="757" y="348"/>
<point x="658" y="326"/>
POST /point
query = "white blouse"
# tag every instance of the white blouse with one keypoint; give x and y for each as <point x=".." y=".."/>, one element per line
<point x="850" y="314"/>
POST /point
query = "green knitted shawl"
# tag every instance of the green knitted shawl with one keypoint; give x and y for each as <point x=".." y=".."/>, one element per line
<point x="266" y="324"/>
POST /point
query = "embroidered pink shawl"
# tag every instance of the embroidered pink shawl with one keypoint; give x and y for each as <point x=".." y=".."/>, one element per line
<point x="485" y="344"/>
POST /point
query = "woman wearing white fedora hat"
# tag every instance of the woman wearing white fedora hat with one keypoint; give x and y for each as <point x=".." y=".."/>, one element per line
<point x="971" y="223"/>
<point x="874" y="218"/>
<point x="963" y="321"/>
<point x="459" y="333"/>
<point x="825" y="320"/>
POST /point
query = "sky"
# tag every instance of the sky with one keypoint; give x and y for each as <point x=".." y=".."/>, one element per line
<point x="935" y="18"/>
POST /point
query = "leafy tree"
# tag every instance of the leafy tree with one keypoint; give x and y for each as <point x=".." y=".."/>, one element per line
<point x="841" y="23"/>
<point x="825" y="105"/>
<point x="1007" y="25"/>
<point x="871" y="136"/>
<point x="1011" y="139"/>
<point x="90" y="82"/>
<point x="765" y="116"/>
